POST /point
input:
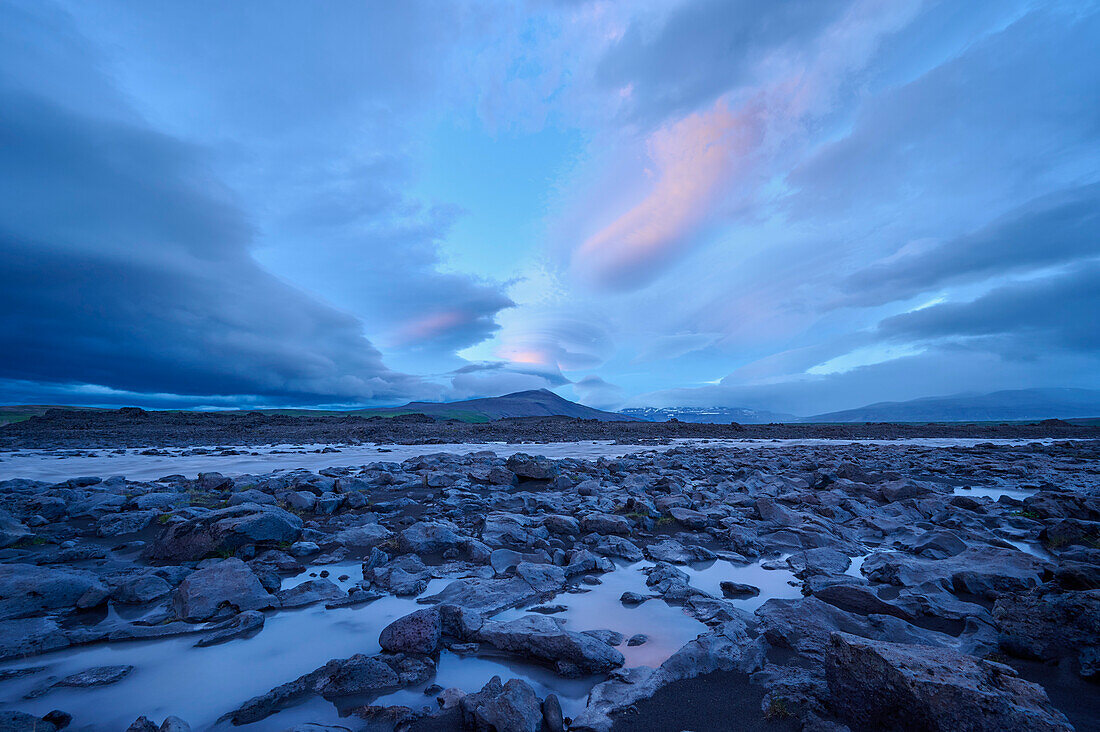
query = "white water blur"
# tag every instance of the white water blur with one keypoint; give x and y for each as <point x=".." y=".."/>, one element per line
<point x="58" y="465"/>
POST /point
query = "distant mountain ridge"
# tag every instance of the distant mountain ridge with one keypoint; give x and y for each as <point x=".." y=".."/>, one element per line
<point x="708" y="415"/>
<point x="533" y="403"/>
<point x="998" y="406"/>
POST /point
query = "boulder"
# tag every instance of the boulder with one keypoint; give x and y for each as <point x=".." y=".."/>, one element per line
<point x="513" y="707"/>
<point x="226" y="530"/>
<point x="1048" y="625"/>
<point x="366" y="536"/>
<point x="227" y="585"/>
<point x="30" y="636"/>
<point x="27" y="589"/>
<point x="417" y="632"/>
<point x="985" y="571"/>
<point x="309" y="592"/>
<point x="881" y="685"/>
<point x="531" y="467"/>
<point x="240" y="626"/>
<point x="542" y="638"/>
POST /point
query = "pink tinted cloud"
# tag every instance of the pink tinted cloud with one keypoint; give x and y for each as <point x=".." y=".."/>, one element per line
<point x="430" y="326"/>
<point x="696" y="158"/>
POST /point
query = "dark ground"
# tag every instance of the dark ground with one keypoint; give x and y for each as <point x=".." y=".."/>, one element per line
<point x="137" y="428"/>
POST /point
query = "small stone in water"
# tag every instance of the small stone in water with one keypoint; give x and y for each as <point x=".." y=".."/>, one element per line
<point x="638" y="639"/>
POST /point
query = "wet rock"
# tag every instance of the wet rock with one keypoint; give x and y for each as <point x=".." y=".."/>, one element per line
<point x="226" y="530"/>
<point x="242" y="625"/>
<point x="428" y="537"/>
<point x="512" y="530"/>
<point x="406" y="575"/>
<point x="98" y="676"/>
<point x="637" y="639"/>
<point x="880" y="685"/>
<point x="418" y="632"/>
<point x="606" y="523"/>
<point x="30" y="636"/>
<point x="822" y="560"/>
<point x="632" y="598"/>
<point x="541" y="637"/>
<point x="727" y="648"/>
<point x="672" y="551"/>
<point x="859" y="599"/>
<point x="531" y="466"/>
<point x="141" y="589"/>
<point x="142" y="724"/>
<point x="694" y="520"/>
<point x="120" y="524"/>
<point x="738" y="589"/>
<point x="22" y="722"/>
<point x="366" y="536"/>
<point x="985" y="571"/>
<point x="617" y="546"/>
<point x="804" y="625"/>
<point x="562" y="525"/>
<point x="229" y="584"/>
<point x="1047" y="625"/>
<point x="357" y="675"/>
<point x="26" y="589"/>
<point x="309" y="592"/>
<point x="552" y="718"/>
<point x="11" y="530"/>
<point x="513" y="707"/>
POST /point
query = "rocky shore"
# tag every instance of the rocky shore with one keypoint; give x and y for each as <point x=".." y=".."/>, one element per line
<point x="131" y="427"/>
<point x="819" y="587"/>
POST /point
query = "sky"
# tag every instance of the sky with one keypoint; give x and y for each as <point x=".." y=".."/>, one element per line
<point x="799" y="206"/>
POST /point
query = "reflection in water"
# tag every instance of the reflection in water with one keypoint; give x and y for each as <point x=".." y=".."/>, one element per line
<point x="171" y="676"/>
<point x="992" y="492"/>
<point x="49" y="465"/>
<point x="709" y="577"/>
<point x="668" y="627"/>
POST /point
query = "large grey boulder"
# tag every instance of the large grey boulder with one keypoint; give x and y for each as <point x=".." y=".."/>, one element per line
<point x="542" y="638"/>
<point x="513" y="707"/>
<point x="309" y="592"/>
<point x="405" y="575"/>
<point x="120" y="524"/>
<point x="227" y="585"/>
<point x="805" y="624"/>
<point x="11" y="530"/>
<point x="226" y="530"/>
<point x="30" y="636"/>
<point x="27" y="589"/>
<point x="1048" y="625"/>
<point x="366" y="536"/>
<point x="417" y="632"/>
<point x="531" y="466"/>
<point x="985" y="571"/>
<point x="879" y="685"/>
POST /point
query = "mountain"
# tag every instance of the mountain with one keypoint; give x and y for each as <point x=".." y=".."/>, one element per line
<point x="998" y="406"/>
<point x="534" y="403"/>
<point x="711" y="415"/>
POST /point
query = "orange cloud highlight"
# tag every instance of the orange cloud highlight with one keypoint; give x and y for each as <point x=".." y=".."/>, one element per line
<point x="695" y="159"/>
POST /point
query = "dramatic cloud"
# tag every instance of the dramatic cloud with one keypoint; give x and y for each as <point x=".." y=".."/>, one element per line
<point x="1058" y="228"/>
<point x="706" y="47"/>
<point x="695" y="159"/>
<point x="1022" y="316"/>
<point x="794" y="206"/>
<point x="122" y="270"/>
<point x="595" y="392"/>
